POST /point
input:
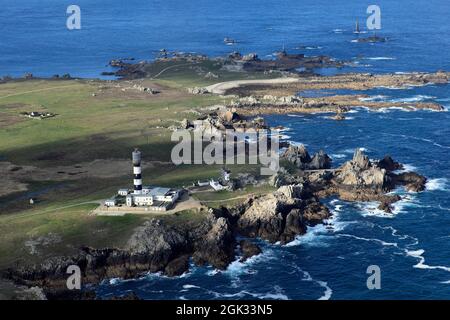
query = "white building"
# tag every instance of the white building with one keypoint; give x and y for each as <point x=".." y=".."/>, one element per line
<point x="139" y="200"/>
<point x="152" y="197"/>
<point x="111" y="202"/>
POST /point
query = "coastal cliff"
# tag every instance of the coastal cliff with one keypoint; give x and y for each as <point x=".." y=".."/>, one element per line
<point x="279" y="216"/>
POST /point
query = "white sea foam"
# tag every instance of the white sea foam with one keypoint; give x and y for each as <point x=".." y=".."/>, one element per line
<point x="295" y="115"/>
<point x="297" y="143"/>
<point x="379" y="241"/>
<point x="352" y="150"/>
<point x="380" y="58"/>
<point x="415" y="98"/>
<point x="437" y="184"/>
<point x="238" y="267"/>
<point x="378" y="97"/>
<point x="338" y="156"/>
<point x="406" y="168"/>
<point x="190" y="286"/>
<point x="316" y="236"/>
<point x="370" y="209"/>
<point x="269" y="295"/>
<point x="418" y="254"/>
<point x="404" y="87"/>
<point x="114" y="281"/>
<point x="307" y="277"/>
<point x="395" y="233"/>
<point x="328" y="292"/>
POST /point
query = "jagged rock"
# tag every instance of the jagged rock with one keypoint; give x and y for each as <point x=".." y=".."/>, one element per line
<point x="320" y="161"/>
<point x="360" y="159"/>
<point x="186" y="124"/>
<point x="250" y="57"/>
<point x="158" y="241"/>
<point x="291" y="191"/>
<point x="267" y="217"/>
<point x="230" y="116"/>
<point x="389" y="164"/>
<point x="315" y="212"/>
<point x="216" y="247"/>
<point x="320" y="178"/>
<point x="294" y="226"/>
<point x="248" y="249"/>
<point x="297" y="155"/>
<point x="281" y="178"/>
<point x="177" y="266"/>
<point x="412" y="181"/>
<point x="338" y="117"/>
<point x="360" y="173"/>
<point x="235" y="55"/>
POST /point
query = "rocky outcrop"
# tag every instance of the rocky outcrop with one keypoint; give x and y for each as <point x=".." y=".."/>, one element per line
<point x="177" y="266"/>
<point x="412" y="181"/>
<point x="279" y="216"/>
<point x="363" y="180"/>
<point x="217" y="246"/>
<point x="361" y="173"/>
<point x="320" y="160"/>
<point x="299" y="156"/>
<point x="389" y="164"/>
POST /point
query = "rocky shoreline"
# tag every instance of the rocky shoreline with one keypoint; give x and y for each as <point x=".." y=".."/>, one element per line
<point x="277" y="217"/>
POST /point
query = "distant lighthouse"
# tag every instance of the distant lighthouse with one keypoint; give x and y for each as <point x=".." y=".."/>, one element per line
<point x="137" y="171"/>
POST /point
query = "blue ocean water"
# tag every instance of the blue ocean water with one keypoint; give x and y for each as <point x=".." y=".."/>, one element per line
<point x="411" y="246"/>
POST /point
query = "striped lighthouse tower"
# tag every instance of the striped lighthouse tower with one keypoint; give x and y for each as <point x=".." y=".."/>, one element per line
<point x="137" y="171"/>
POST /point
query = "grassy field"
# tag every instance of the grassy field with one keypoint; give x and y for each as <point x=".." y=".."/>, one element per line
<point x="93" y="123"/>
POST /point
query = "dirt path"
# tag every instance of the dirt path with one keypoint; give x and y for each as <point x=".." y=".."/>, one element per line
<point x="222" y="87"/>
<point x="168" y="68"/>
<point x="39" y="90"/>
<point x="229" y="199"/>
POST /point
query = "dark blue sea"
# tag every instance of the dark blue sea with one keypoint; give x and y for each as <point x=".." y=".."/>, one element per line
<point x="411" y="246"/>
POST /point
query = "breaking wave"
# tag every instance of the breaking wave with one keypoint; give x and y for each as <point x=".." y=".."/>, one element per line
<point x="416" y="98"/>
<point x="437" y="184"/>
<point x="380" y="58"/>
<point x="418" y="254"/>
<point x="378" y="97"/>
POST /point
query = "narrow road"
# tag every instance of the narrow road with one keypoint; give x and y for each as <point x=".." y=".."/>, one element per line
<point x="222" y="87"/>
